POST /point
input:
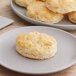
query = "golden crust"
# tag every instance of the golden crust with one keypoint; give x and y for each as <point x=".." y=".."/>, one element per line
<point x="72" y="17"/>
<point x="26" y="39"/>
<point x="36" y="45"/>
<point x="61" y="6"/>
<point x="38" y="11"/>
<point x="23" y="3"/>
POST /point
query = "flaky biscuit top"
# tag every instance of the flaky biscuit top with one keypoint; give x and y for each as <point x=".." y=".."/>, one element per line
<point x="36" y="41"/>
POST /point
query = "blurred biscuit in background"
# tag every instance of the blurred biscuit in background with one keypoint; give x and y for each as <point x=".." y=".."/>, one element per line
<point x="72" y="17"/>
<point x="23" y="3"/>
<point x="38" y="11"/>
<point x="61" y="6"/>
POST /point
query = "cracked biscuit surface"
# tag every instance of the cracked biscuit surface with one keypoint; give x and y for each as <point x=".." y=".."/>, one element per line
<point x="61" y="6"/>
<point x="38" y="11"/>
<point x="36" y="45"/>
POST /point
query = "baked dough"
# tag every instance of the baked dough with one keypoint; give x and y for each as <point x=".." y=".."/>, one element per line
<point x="36" y="45"/>
<point x="72" y="17"/>
<point x="61" y="6"/>
<point x="23" y="3"/>
<point x="38" y="11"/>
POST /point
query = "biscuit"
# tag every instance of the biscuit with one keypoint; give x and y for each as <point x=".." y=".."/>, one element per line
<point x="23" y="3"/>
<point x="72" y="17"/>
<point x="36" y="45"/>
<point x="38" y="11"/>
<point x="61" y="6"/>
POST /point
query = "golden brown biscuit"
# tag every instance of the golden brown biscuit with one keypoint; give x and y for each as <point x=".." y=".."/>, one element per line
<point x="38" y="11"/>
<point x="72" y="17"/>
<point x="36" y="45"/>
<point x="23" y="3"/>
<point x="61" y="6"/>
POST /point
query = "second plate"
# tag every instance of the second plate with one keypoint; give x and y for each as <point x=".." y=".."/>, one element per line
<point x="21" y="12"/>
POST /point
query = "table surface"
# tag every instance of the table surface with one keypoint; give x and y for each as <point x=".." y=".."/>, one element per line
<point x="6" y="11"/>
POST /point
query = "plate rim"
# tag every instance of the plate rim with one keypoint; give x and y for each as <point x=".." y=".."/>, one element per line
<point x="57" y="70"/>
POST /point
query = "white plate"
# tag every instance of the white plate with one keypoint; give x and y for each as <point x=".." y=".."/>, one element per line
<point x="65" y="57"/>
<point x="21" y="12"/>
